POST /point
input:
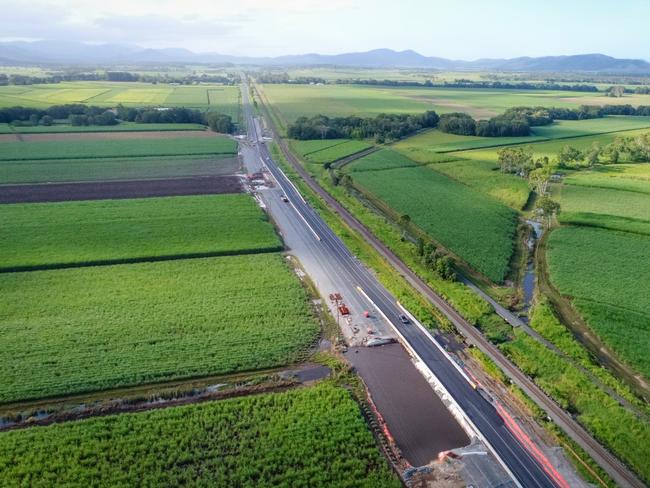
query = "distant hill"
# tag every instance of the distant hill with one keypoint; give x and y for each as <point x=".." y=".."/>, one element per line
<point x="69" y="52"/>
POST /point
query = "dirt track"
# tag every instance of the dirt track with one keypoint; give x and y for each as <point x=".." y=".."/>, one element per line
<point x="103" y="190"/>
<point x="105" y="136"/>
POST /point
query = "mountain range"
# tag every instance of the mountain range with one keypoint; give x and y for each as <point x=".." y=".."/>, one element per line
<point x="78" y="53"/>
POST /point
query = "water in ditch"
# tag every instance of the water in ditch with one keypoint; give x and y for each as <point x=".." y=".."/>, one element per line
<point x="528" y="283"/>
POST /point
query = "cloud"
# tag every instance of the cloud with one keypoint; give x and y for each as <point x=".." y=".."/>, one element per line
<point x="40" y="20"/>
<point x="157" y="28"/>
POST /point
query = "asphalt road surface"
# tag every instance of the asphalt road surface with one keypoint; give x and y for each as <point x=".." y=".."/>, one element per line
<point x="620" y="473"/>
<point x="522" y="465"/>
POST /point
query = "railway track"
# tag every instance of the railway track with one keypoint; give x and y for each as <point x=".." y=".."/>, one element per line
<point x="606" y="460"/>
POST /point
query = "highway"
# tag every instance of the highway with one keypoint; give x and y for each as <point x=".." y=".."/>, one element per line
<point x="620" y="473"/>
<point x="521" y="464"/>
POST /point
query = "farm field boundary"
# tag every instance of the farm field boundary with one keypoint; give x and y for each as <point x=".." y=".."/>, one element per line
<point x="470" y="217"/>
<point x="85" y="149"/>
<point x="320" y="427"/>
<point x="65" y="233"/>
<point x="145" y="323"/>
<point x="144" y="259"/>
<point x="122" y="127"/>
<point x="106" y="135"/>
<point x="103" y="190"/>
<point x="111" y="169"/>
<point x="455" y="295"/>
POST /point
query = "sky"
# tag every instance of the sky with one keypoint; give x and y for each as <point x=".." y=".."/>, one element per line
<point x="457" y="29"/>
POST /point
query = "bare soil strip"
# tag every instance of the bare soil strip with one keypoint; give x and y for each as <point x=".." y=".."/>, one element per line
<point x="103" y="190"/>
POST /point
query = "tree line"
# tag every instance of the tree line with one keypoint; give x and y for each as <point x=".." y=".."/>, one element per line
<point x="632" y="148"/>
<point x="520" y="160"/>
<point x="514" y="122"/>
<point x="85" y="115"/>
<point x="505" y="125"/>
<point x="284" y="78"/>
<point x="520" y="85"/>
<point x="517" y="121"/>
<point x="119" y="76"/>
<point x="382" y="128"/>
<point x="76" y="114"/>
<point x="620" y="90"/>
<point x="537" y="116"/>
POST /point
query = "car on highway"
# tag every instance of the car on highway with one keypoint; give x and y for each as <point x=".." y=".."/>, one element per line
<point x="284" y="198"/>
<point x="404" y="319"/>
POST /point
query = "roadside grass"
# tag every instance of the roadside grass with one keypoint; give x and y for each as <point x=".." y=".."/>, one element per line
<point x="94" y="328"/>
<point x="85" y="149"/>
<point x="380" y="160"/>
<point x="104" y="169"/>
<point x="479" y="313"/>
<point x="475" y="227"/>
<point x="105" y="231"/>
<point x="626" y="435"/>
<point x="485" y="177"/>
<point x="602" y="271"/>
<point x="313" y="436"/>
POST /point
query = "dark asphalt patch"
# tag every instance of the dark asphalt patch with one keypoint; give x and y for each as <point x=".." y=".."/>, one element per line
<point x="417" y="419"/>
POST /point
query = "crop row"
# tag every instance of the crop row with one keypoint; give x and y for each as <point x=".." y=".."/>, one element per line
<point x="71" y="233"/>
<point x="473" y="226"/>
<point x="122" y="127"/>
<point x="70" y="170"/>
<point x="308" y="437"/>
<point x="485" y="177"/>
<point x="83" y="329"/>
<point x="384" y="159"/>
<point x="603" y="271"/>
<point x="224" y="99"/>
<point x="305" y="148"/>
<point x="86" y="149"/>
<point x="334" y="153"/>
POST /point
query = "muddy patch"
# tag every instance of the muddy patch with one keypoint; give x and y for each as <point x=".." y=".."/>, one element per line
<point x="416" y="418"/>
<point x="139" y="399"/>
<point x="10" y="138"/>
<point x="102" y="190"/>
